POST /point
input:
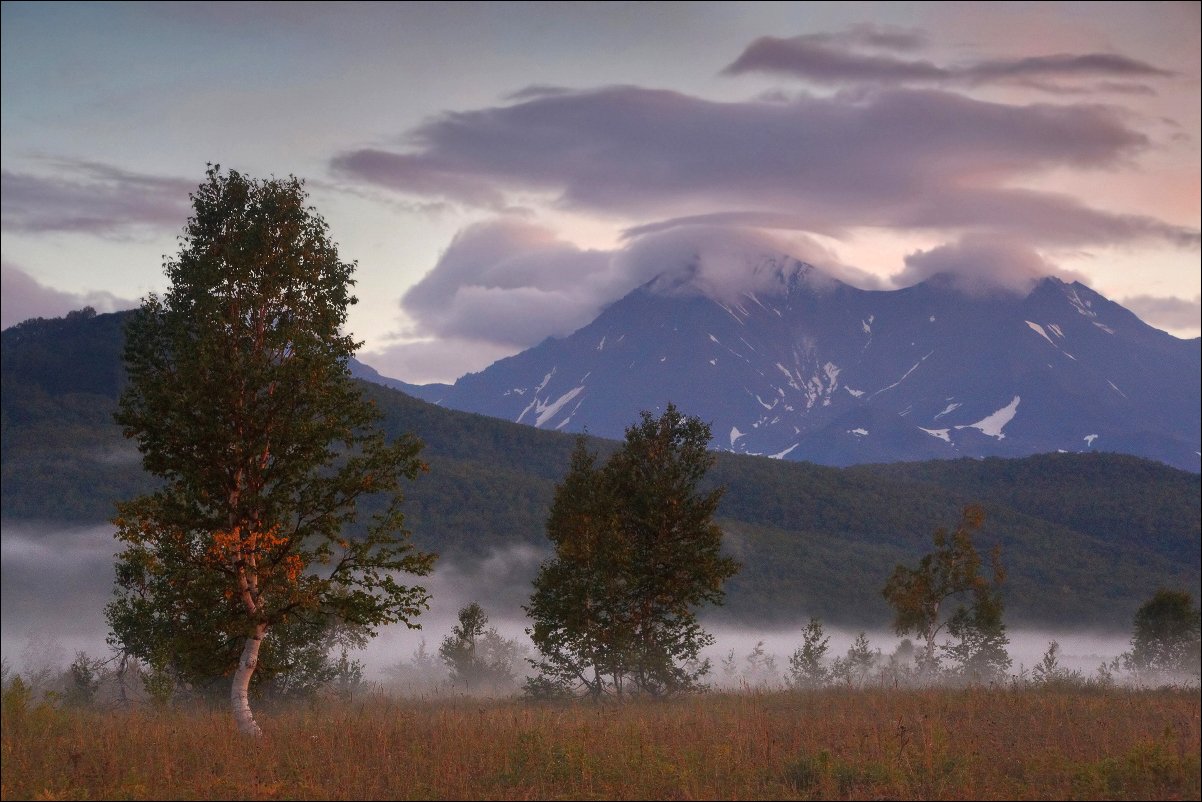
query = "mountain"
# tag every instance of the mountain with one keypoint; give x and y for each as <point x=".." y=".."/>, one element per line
<point x="1086" y="538"/>
<point x="367" y="373"/>
<point x="805" y="367"/>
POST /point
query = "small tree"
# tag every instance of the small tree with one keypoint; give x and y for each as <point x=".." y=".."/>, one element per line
<point x="952" y="571"/>
<point x="476" y="654"/>
<point x="573" y="609"/>
<point x="979" y="637"/>
<point x="84" y="677"/>
<point x="636" y="553"/>
<point x="806" y="666"/>
<point x="1049" y="673"/>
<point x="1166" y="635"/>
<point x="241" y="401"/>
<point x="854" y="668"/>
<point x="761" y="667"/>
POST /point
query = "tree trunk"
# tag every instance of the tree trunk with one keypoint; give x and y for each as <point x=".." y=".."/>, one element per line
<point x="239" y="692"/>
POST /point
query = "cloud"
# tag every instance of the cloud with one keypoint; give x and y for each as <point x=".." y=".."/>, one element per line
<point x="420" y="177"/>
<point x="439" y="360"/>
<point x="896" y="158"/>
<point x="1045" y="218"/>
<point x="55" y="583"/>
<point x="23" y="297"/>
<point x="838" y="59"/>
<point x="978" y="265"/>
<point x="821" y="60"/>
<point x="92" y="198"/>
<point x="723" y="262"/>
<point x="510" y="282"/>
<point x="507" y="284"/>
<point x="1167" y="312"/>
<point x="514" y="283"/>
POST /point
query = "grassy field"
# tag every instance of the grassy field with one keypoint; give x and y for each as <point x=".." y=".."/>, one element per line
<point x="831" y="744"/>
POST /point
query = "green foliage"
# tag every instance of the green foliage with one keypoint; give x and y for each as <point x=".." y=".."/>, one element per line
<point x="84" y="676"/>
<point x="1166" y="634"/>
<point x="298" y="663"/>
<point x="16" y="696"/>
<point x="951" y="572"/>
<point x="241" y="403"/>
<point x="636" y="553"/>
<point x="979" y="637"/>
<point x="807" y="668"/>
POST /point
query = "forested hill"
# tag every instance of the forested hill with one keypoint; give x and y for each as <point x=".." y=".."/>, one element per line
<point x="1086" y="537"/>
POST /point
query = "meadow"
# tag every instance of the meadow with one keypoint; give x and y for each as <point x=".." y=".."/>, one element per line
<point x="872" y="743"/>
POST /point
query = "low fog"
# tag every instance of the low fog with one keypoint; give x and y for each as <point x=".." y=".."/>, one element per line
<point x="56" y="581"/>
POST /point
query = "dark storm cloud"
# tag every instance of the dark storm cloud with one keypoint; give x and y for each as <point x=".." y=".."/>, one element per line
<point x="92" y="198"/>
<point x="893" y="158"/>
<point x="23" y="297"/>
<point x="834" y="59"/>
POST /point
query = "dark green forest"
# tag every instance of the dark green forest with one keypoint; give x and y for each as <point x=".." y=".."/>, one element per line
<point x="1086" y="538"/>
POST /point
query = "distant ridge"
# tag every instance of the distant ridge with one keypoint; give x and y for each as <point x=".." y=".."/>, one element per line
<point x="1086" y="538"/>
<point x="799" y="366"/>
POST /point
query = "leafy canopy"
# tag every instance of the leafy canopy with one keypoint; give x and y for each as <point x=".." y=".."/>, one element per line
<point x="1166" y="635"/>
<point x="240" y="400"/>
<point x="477" y="656"/>
<point x="636" y="554"/>
<point x="952" y="572"/>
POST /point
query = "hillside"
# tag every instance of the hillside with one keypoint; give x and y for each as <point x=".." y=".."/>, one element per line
<point x="1086" y="537"/>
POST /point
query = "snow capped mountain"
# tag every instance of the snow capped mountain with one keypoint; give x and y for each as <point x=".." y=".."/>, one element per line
<point x="794" y="364"/>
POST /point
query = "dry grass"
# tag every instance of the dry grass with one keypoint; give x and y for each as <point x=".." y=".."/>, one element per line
<point x="877" y="744"/>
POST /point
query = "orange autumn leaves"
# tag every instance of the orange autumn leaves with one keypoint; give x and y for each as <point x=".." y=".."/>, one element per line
<point x="255" y="548"/>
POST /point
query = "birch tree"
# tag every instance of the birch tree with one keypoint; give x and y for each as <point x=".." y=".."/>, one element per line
<point x="920" y="598"/>
<point x="240" y="400"/>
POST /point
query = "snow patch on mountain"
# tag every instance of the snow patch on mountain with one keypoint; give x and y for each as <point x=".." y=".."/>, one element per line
<point x="1082" y="306"/>
<point x="543" y="411"/>
<point x="783" y="454"/>
<point x="1038" y="329"/>
<point x="992" y="425"/>
<point x="942" y="434"/>
<point x="949" y="408"/>
<point x="904" y="377"/>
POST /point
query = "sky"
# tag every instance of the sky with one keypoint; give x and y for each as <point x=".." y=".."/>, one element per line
<point x="502" y="172"/>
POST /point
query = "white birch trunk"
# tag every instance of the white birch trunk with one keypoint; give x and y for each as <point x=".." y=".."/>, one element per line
<point x="239" y="692"/>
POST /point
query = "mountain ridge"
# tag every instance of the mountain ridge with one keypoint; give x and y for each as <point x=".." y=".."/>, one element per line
<point x="807" y="367"/>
